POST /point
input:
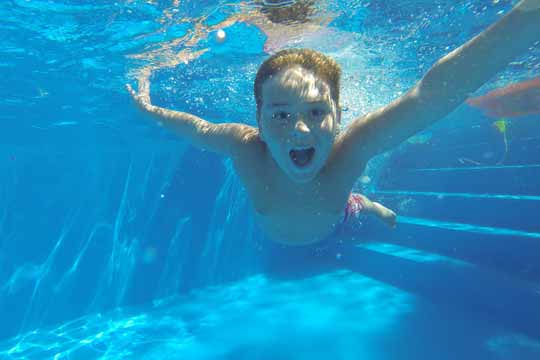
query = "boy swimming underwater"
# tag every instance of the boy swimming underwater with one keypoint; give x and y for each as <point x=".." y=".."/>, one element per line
<point x="297" y="169"/>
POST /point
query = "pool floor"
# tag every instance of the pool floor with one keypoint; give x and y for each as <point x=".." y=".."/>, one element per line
<point x="337" y="315"/>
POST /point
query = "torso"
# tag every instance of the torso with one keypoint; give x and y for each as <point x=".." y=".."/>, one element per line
<point x="295" y="214"/>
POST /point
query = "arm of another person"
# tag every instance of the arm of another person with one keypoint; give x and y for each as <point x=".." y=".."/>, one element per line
<point x="445" y="86"/>
<point x="229" y="139"/>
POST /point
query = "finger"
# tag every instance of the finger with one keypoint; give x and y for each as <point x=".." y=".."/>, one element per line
<point x="130" y="89"/>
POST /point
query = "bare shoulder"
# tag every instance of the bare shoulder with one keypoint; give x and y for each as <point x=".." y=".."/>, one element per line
<point x="251" y="163"/>
<point x="381" y="130"/>
<point x="251" y="147"/>
<point x="347" y="160"/>
<point x="249" y="135"/>
<point x="232" y="139"/>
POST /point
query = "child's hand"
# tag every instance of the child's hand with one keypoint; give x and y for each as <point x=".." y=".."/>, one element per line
<point x="391" y="219"/>
<point x="529" y="5"/>
<point x="386" y="215"/>
<point x="142" y="98"/>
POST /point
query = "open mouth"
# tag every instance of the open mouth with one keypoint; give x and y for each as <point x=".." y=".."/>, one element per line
<point x="302" y="157"/>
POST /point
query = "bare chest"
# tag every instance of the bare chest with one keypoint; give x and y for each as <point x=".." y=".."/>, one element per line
<point x="289" y="212"/>
<point x="299" y="216"/>
<point x="298" y="228"/>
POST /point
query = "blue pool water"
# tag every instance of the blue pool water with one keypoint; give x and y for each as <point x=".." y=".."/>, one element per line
<point x="120" y="241"/>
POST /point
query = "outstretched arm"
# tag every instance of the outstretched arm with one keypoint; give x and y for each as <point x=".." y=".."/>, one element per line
<point x="230" y="139"/>
<point x="446" y="85"/>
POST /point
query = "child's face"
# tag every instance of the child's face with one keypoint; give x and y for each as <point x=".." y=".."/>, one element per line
<point x="298" y="121"/>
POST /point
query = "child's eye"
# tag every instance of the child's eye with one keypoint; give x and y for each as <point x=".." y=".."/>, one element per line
<point x="317" y="113"/>
<point x="281" y="115"/>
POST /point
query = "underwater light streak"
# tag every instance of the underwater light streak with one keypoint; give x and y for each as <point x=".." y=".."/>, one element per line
<point x="44" y="270"/>
<point x="465" y="227"/>
<point x="462" y="195"/>
<point x="411" y="254"/>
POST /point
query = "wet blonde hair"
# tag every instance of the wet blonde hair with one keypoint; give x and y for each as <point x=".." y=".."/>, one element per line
<point x="322" y="66"/>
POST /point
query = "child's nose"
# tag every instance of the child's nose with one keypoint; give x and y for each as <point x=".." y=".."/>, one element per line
<point x="301" y="127"/>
